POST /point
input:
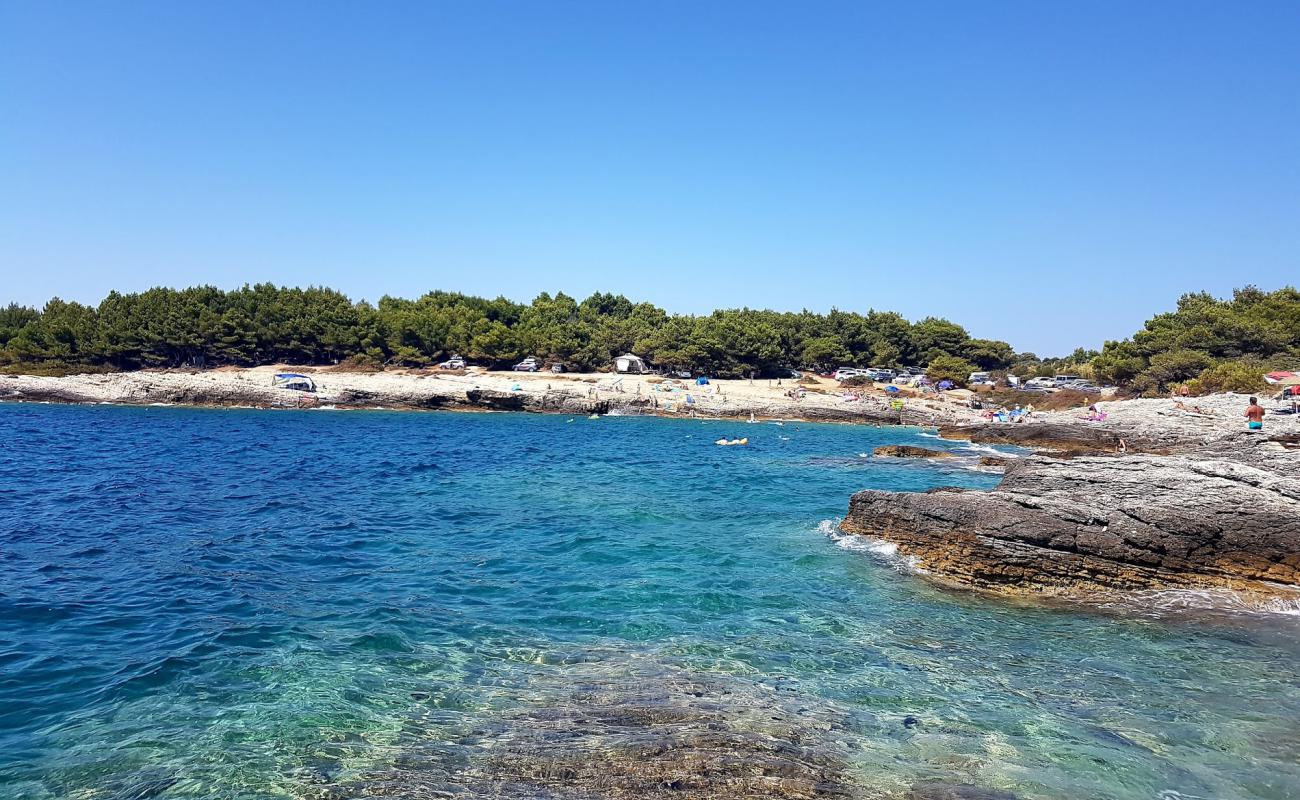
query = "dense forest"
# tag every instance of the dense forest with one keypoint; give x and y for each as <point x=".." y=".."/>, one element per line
<point x="268" y="324"/>
<point x="1207" y="343"/>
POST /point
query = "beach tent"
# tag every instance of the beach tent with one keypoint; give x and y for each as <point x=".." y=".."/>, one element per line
<point x="945" y="384"/>
<point x="701" y="381"/>
<point x="629" y="363"/>
<point x="292" y="380"/>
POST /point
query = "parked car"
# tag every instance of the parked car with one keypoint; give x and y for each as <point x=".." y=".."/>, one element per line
<point x="1065" y="380"/>
<point x="1079" y="385"/>
<point x="557" y="368"/>
<point x="884" y="374"/>
<point x="1040" y="384"/>
<point x="980" y="379"/>
<point x="527" y="365"/>
<point x="684" y="374"/>
<point x="846" y="372"/>
<point x="455" y="362"/>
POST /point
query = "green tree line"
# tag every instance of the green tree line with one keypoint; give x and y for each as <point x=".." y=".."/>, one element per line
<point x="1209" y="344"/>
<point x="262" y="324"/>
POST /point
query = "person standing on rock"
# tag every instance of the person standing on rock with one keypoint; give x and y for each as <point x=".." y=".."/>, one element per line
<point x="1255" y="413"/>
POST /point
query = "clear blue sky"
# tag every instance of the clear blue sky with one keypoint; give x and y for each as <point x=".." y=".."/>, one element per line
<point x="1041" y="172"/>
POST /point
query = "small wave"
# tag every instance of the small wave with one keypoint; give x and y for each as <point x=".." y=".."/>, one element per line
<point x="982" y="448"/>
<point x="975" y="466"/>
<point x="1159" y="602"/>
<point x="928" y="435"/>
<point x="886" y="551"/>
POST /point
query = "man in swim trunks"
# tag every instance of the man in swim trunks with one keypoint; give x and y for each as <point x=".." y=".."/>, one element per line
<point x="1255" y="413"/>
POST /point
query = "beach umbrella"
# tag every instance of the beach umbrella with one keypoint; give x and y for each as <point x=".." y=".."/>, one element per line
<point x="1294" y="380"/>
<point x="891" y="389"/>
<point x="1279" y="376"/>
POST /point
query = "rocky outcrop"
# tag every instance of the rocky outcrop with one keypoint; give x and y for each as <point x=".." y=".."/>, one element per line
<point x="1075" y="439"/>
<point x="908" y="451"/>
<point x="1226" y="514"/>
<point x="499" y="401"/>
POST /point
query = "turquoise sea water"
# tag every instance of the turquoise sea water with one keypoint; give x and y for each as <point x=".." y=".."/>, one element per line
<point x="250" y="604"/>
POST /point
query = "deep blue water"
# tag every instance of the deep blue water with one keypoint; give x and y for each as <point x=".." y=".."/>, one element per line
<point x="237" y="604"/>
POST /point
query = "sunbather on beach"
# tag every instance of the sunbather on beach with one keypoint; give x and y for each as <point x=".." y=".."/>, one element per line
<point x="1255" y="415"/>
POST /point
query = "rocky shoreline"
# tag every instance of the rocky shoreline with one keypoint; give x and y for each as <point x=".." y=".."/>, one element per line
<point x="414" y="390"/>
<point x="1173" y="510"/>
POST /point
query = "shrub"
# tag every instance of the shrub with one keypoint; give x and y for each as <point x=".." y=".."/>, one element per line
<point x="1167" y="369"/>
<point x="361" y="362"/>
<point x="950" y="368"/>
<point x="1244" y="377"/>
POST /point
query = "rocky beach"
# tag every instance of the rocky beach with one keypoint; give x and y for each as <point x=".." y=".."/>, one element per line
<point x="1154" y="496"/>
<point x="597" y="393"/>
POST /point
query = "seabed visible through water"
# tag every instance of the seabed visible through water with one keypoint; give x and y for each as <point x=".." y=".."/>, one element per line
<point x="250" y="604"/>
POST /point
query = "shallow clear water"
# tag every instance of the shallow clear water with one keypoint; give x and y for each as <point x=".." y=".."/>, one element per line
<point x="247" y="604"/>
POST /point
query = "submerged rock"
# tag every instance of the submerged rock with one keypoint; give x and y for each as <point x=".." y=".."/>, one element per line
<point x="908" y="451"/>
<point x="630" y="729"/>
<point x="1225" y="514"/>
<point x="935" y="790"/>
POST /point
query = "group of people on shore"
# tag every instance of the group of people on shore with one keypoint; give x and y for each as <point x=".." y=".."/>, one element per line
<point x="1003" y="414"/>
<point x="1254" y="412"/>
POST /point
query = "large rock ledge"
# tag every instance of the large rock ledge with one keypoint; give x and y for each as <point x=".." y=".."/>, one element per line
<point x="1225" y="514"/>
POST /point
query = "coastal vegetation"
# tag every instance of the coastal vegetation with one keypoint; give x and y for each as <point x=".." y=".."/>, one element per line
<point x="205" y="326"/>
<point x="1206" y="344"/>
